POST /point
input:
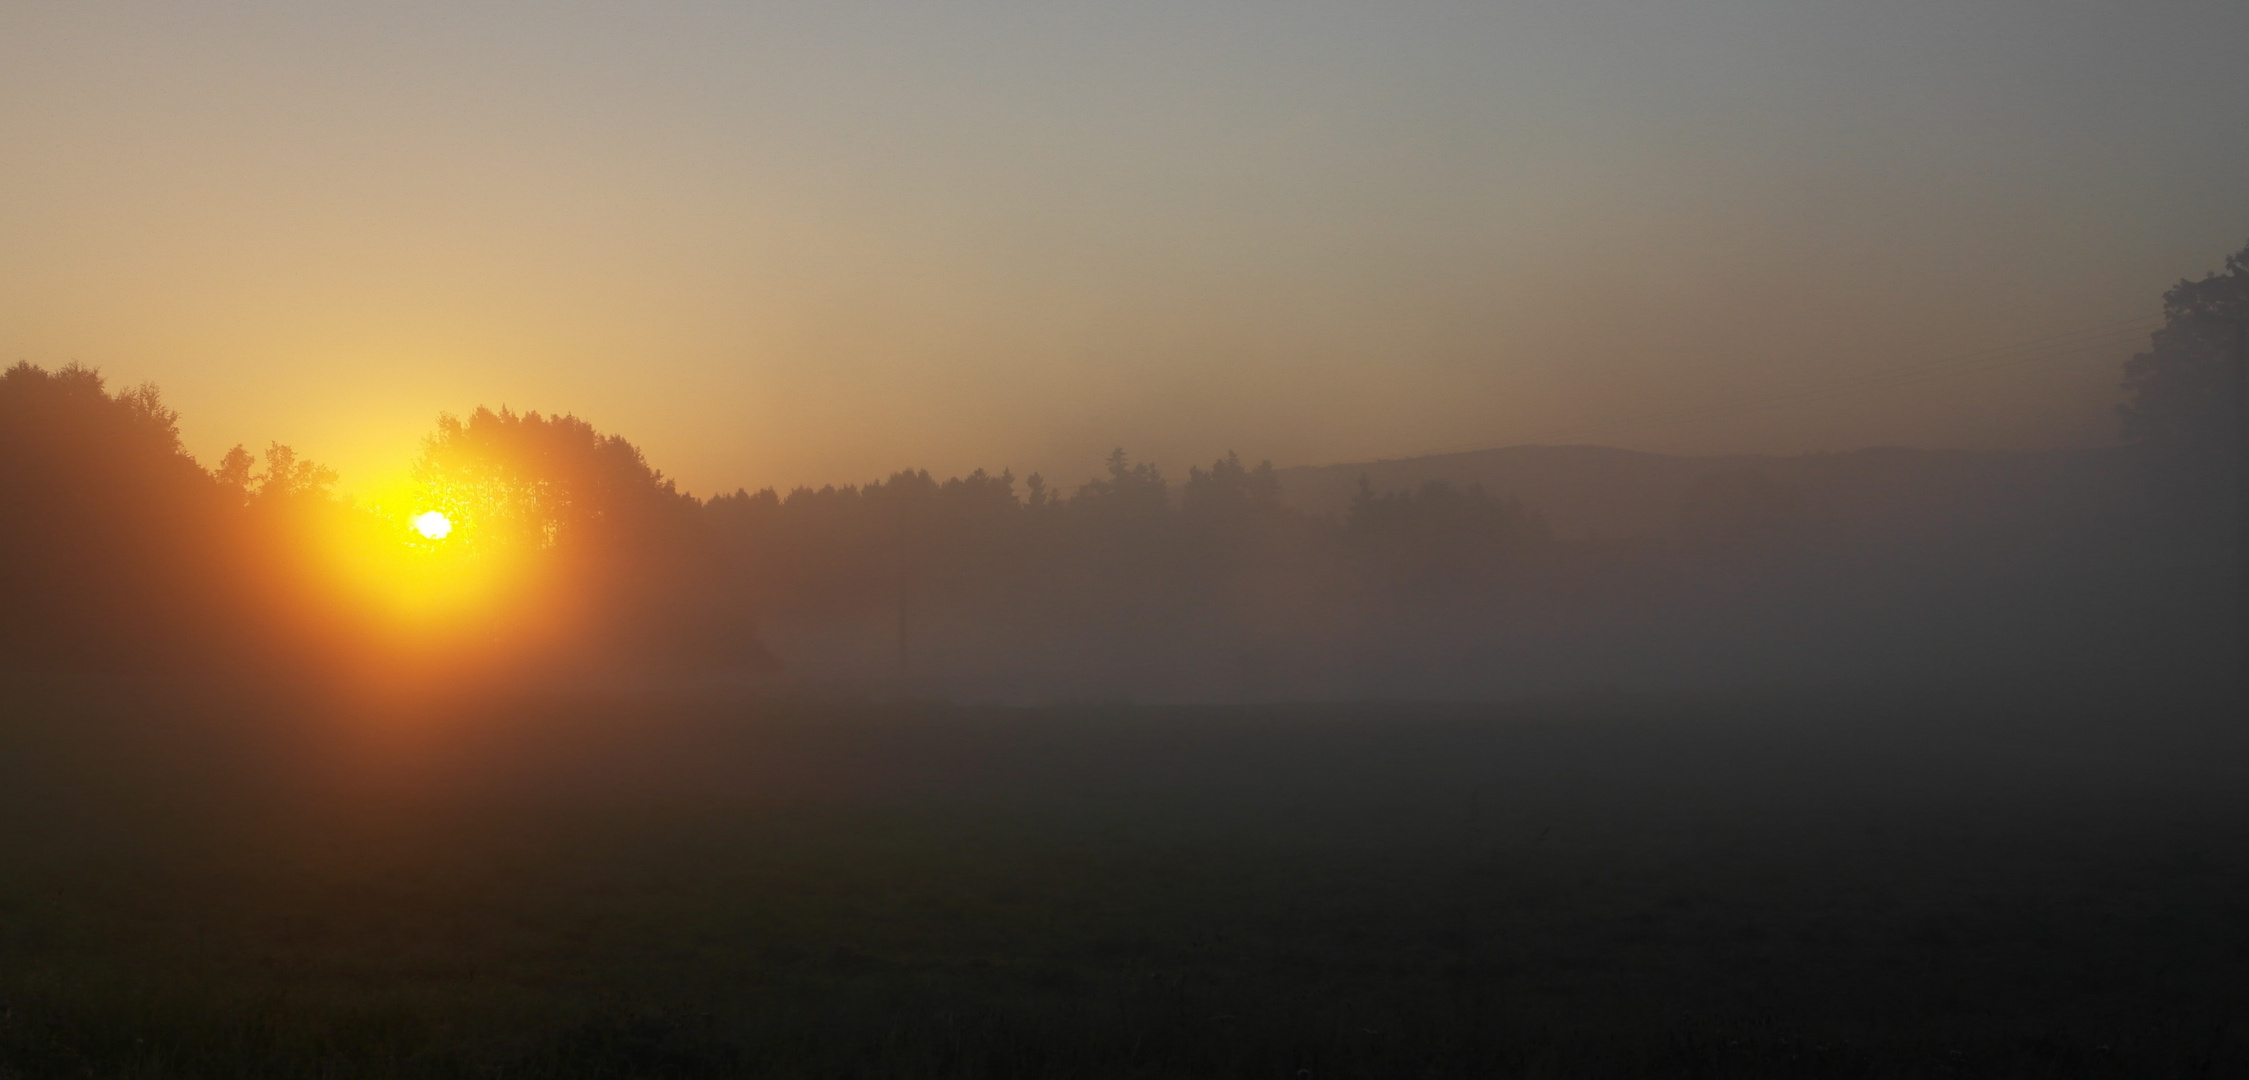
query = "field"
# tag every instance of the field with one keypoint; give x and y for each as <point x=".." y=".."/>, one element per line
<point x="716" y="883"/>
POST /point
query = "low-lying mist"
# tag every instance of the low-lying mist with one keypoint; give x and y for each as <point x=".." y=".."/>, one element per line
<point x="1540" y="761"/>
<point x="563" y="557"/>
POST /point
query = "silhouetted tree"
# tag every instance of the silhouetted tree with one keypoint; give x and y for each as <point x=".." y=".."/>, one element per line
<point x="115" y="547"/>
<point x="111" y="536"/>
<point x="1130" y="491"/>
<point x="545" y="482"/>
<point x="1230" y="491"/>
<point x="616" y="532"/>
<point x="286" y="479"/>
<point x="2182" y="388"/>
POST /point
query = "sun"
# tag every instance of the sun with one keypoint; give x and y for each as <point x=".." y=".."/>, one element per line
<point x="416" y="563"/>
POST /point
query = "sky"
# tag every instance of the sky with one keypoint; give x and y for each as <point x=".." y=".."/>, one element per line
<point x="778" y="244"/>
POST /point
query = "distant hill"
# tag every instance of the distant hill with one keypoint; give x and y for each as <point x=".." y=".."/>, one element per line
<point x="1601" y="491"/>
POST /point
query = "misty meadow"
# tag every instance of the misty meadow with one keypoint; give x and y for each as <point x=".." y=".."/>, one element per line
<point x="1890" y="762"/>
<point x="1123" y="540"/>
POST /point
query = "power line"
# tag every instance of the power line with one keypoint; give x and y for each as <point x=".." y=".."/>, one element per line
<point x="2046" y="347"/>
<point x="2031" y="350"/>
<point x="1728" y="410"/>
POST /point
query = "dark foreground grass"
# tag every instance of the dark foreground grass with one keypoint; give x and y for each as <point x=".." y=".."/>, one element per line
<point x="644" y="885"/>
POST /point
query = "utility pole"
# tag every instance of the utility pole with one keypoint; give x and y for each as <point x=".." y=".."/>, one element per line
<point x="2240" y="324"/>
<point x="902" y="586"/>
<point x="2241" y="494"/>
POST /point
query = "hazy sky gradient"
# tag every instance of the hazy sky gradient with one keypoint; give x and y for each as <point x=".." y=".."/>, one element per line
<point x="781" y="244"/>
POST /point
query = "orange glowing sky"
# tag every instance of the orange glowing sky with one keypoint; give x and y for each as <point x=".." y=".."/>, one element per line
<point x="776" y="244"/>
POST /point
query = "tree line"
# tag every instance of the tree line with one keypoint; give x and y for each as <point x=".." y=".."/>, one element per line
<point x="117" y="548"/>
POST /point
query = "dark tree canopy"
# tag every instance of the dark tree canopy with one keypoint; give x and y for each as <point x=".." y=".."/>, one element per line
<point x="546" y="481"/>
<point x="110" y="531"/>
<point x="1230" y="490"/>
<point x="1128" y="491"/>
<point x="564" y="550"/>
<point x="2182" y="389"/>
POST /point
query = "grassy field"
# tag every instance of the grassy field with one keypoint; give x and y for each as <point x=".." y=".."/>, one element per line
<point x="684" y="884"/>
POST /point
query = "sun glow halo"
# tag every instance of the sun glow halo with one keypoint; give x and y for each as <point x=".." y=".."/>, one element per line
<point x="406" y="557"/>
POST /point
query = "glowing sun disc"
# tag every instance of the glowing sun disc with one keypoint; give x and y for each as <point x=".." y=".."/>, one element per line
<point x="433" y="525"/>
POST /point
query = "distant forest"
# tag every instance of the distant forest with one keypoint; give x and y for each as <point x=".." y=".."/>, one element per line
<point x="122" y="551"/>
